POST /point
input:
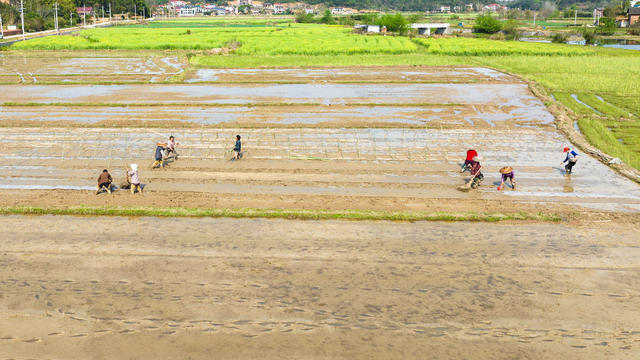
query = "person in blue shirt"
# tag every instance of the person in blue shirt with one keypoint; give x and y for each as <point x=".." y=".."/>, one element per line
<point x="237" y="149"/>
<point x="160" y="147"/>
<point x="571" y="159"/>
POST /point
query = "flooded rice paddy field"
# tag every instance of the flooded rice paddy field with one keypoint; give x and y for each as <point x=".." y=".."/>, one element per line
<point x="128" y="66"/>
<point x="35" y="67"/>
<point x="392" y="142"/>
<point x="254" y="288"/>
<point x="387" y="163"/>
<point x="294" y="116"/>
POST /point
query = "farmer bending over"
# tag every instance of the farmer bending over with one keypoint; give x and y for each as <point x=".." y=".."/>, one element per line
<point x="507" y="173"/>
<point x="475" y="172"/>
<point x="104" y="182"/>
<point x="467" y="162"/>
<point x="134" y="179"/>
<point x="159" y="155"/>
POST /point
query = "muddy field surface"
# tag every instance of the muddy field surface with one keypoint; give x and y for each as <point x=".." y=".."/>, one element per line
<point x="310" y="145"/>
<point x="72" y="287"/>
<point x="43" y="67"/>
<point x="381" y="167"/>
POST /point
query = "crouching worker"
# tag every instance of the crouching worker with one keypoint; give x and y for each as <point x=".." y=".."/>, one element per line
<point x="571" y="159"/>
<point x="134" y="179"/>
<point x="104" y="182"/>
<point x="475" y="167"/>
<point x="507" y="173"/>
<point x="160" y="147"/>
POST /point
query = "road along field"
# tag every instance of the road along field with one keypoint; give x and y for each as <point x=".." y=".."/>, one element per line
<point x="83" y="287"/>
<point x="314" y="145"/>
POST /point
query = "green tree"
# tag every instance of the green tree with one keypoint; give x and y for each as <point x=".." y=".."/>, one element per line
<point x="327" y="18"/>
<point x="394" y="23"/>
<point x="487" y="24"/>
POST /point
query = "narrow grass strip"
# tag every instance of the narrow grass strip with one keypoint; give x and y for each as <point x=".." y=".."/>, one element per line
<point x="265" y="104"/>
<point x="297" y="214"/>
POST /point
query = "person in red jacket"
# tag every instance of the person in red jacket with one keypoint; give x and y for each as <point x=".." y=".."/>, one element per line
<point x="469" y="160"/>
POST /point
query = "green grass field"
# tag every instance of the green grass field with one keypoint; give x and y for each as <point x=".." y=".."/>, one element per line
<point x="600" y="85"/>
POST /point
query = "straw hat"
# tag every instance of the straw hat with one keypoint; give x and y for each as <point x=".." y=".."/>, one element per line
<point x="506" y="170"/>
<point x="134" y="167"/>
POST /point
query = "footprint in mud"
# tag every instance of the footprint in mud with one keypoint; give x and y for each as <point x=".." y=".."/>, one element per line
<point x="55" y="334"/>
<point x="241" y="322"/>
<point x="125" y="331"/>
<point x="31" y="340"/>
<point x="78" y="335"/>
<point x="556" y="293"/>
<point x="171" y="332"/>
<point x="7" y="338"/>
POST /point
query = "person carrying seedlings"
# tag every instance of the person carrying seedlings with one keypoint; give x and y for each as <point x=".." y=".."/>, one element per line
<point x="104" y="182"/>
<point x="171" y="147"/>
<point x="507" y="172"/>
<point x="467" y="162"/>
<point x="134" y="179"/>
<point x="571" y="159"/>
<point x="237" y="148"/>
<point x="160" y="147"/>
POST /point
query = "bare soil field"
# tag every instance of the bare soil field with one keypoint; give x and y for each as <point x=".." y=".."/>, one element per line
<point x="81" y="287"/>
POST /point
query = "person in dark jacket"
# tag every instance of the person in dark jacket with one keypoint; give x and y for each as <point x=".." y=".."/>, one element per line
<point x="160" y="147"/>
<point x="237" y="149"/>
<point x="104" y="182"/>
<point x="475" y="172"/>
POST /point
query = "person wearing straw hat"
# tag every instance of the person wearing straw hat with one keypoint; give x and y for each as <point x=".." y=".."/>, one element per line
<point x="571" y="159"/>
<point x="134" y="179"/>
<point x="507" y="173"/>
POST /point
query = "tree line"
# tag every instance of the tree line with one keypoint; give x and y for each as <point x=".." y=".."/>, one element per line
<point x="39" y="15"/>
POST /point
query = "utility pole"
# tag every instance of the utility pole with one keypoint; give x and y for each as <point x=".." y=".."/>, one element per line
<point x="71" y="18"/>
<point x="1" y="29"/>
<point x="84" y="15"/>
<point x="575" y="18"/>
<point x="55" y="18"/>
<point x="534" y="20"/>
<point x="109" y="13"/>
<point x="135" y="12"/>
<point x="144" y="14"/>
<point x="103" y="13"/>
<point x="22" y="18"/>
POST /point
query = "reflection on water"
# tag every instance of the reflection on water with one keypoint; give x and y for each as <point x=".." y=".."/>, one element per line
<point x="612" y="43"/>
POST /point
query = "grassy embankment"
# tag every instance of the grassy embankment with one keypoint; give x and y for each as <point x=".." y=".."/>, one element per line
<point x="599" y="85"/>
<point x="280" y="213"/>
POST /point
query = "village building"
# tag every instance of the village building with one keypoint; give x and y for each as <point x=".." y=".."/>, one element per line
<point x="445" y="9"/>
<point x="633" y="16"/>
<point x="367" y="28"/>
<point x="278" y="9"/>
<point x="342" y="11"/>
